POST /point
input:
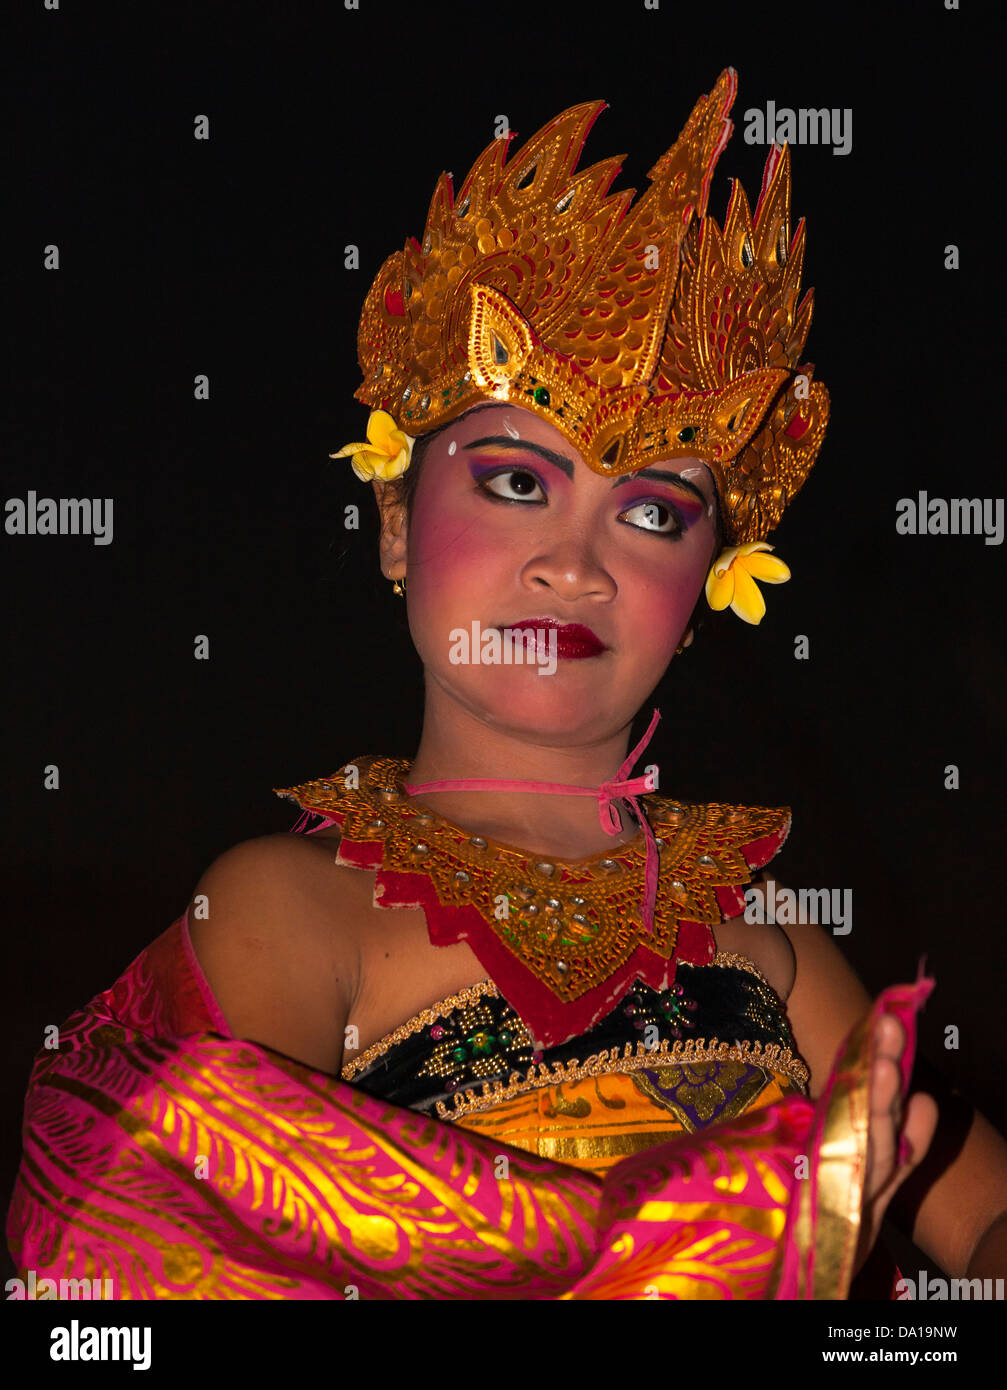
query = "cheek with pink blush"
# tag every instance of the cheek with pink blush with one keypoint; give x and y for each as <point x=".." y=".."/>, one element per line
<point x="660" y="600"/>
<point x="460" y="553"/>
<point x="449" y="550"/>
<point x="661" y="613"/>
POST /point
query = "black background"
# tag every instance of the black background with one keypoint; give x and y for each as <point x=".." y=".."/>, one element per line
<point x="178" y="257"/>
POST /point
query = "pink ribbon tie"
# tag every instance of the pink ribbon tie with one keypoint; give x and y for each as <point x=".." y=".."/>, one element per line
<point x="620" y="787"/>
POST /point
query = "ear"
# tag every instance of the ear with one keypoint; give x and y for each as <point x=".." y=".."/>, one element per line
<point x="394" y="528"/>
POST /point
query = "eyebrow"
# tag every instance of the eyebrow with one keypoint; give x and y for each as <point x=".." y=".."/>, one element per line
<point x="663" y="475"/>
<point x="504" y="441"/>
<point x="654" y="475"/>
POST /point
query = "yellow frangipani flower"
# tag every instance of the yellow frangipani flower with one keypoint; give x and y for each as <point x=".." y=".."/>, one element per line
<point x="731" y="580"/>
<point x="386" y="453"/>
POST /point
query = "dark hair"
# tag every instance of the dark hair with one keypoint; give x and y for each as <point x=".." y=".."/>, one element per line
<point x="405" y="485"/>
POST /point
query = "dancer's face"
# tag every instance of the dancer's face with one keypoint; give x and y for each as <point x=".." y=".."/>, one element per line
<point x="508" y="525"/>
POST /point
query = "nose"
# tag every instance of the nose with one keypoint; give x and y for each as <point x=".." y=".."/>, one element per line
<point x="568" y="566"/>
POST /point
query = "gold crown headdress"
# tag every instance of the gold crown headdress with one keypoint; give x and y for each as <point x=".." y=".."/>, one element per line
<point x="641" y="333"/>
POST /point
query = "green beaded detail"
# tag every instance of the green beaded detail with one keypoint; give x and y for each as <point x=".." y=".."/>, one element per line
<point x="540" y="396"/>
<point x="687" y="435"/>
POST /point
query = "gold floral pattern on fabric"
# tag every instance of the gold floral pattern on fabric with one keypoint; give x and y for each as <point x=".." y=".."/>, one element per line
<point x="328" y="1193"/>
<point x="708" y="1088"/>
<point x="426" y="1018"/>
<point x="596" y="1121"/>
<point x="770" y="1057"/>
<point x="206" y="1167"/>
<point x="475" y="1044"/>
<point x="571" y="923"/>
<point x="694" y="1262"/>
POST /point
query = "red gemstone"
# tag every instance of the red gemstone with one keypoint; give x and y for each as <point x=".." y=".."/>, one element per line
<point x="394" y="302"/>
<point x="797" y="427"/>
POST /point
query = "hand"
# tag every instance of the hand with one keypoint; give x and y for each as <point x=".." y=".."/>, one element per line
<point x="889" y="1131"/>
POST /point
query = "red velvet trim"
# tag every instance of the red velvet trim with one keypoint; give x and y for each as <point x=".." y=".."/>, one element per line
<point x="549" y="1020"/>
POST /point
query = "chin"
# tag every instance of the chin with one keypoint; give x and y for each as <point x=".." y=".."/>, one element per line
<point x="568" y="707"/>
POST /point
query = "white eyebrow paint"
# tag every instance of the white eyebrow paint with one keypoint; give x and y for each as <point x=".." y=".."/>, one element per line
<point x="700" y="475"/>
<point x="514" y="434"/>
<point x="452" y="447"/>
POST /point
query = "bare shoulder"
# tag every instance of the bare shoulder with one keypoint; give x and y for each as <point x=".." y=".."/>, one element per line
<point x="764" y="943"/>
<point x="827" y="997"/>
<point x="279" y="883"/>
<point x="273" y="923"/>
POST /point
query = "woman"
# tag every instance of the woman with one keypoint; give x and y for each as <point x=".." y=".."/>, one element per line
<point x="570" y="1068"/>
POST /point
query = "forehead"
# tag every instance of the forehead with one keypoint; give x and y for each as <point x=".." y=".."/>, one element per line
<point x="513" y="422"/>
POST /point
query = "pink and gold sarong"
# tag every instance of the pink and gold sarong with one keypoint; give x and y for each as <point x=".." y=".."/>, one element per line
<point x="182" y="1163"/>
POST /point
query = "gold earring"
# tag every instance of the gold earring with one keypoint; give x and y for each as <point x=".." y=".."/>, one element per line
<point x="686" y="643"/>
<point x="399" y="586"/>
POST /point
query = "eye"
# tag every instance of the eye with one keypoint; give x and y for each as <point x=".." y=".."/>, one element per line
<point x="514" y="485"/>
<point x="654" y="516"/>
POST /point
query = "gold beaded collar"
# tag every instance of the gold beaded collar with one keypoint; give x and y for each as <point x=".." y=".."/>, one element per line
<point x="553" y="934"/>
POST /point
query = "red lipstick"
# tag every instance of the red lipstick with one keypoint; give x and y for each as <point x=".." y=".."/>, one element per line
<point x="573" y="640"/>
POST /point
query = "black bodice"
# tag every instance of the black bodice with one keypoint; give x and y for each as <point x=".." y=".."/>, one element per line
<point x="440" y="1061"/>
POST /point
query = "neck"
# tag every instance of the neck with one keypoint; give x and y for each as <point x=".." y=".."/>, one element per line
<point x="456" y="744"/>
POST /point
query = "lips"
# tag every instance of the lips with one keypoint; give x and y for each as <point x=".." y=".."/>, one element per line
<point x="573" y="640"/>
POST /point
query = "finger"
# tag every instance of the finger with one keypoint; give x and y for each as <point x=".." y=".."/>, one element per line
<point x="890" y="1042"/>
<point x="890" y="1035"/>
<point x="884" y="1173"/>
<point x="918" y="1131"/>
<point x="882" y="1134"/>
<point x="917" y="1135"/>
<point x="885" y="1106"/>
